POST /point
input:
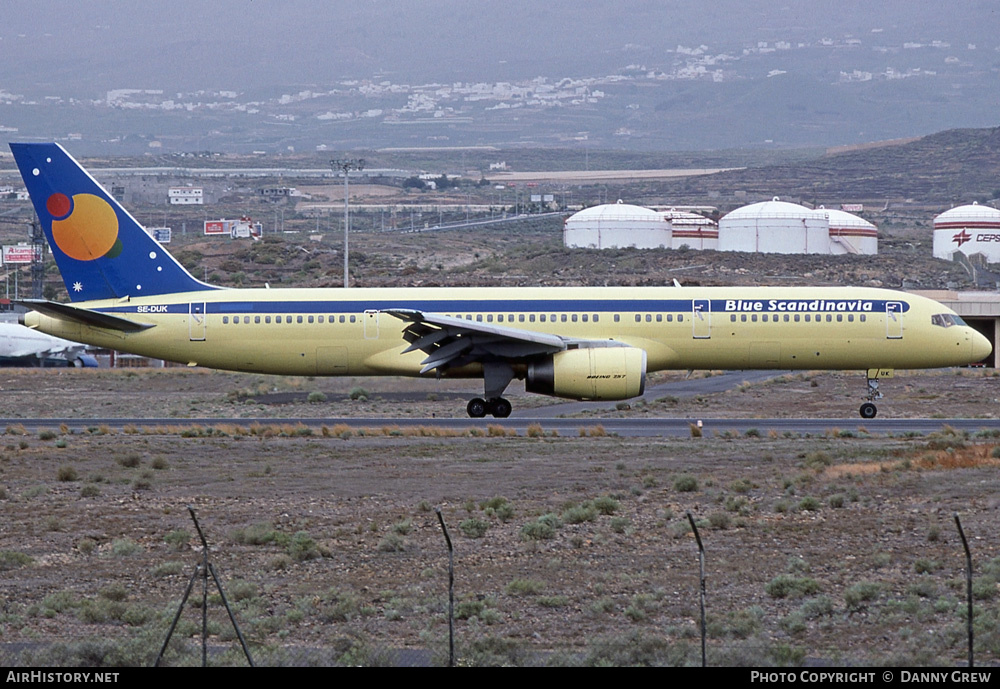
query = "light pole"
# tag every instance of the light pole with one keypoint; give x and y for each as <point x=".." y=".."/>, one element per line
<point x="346" y="165"/>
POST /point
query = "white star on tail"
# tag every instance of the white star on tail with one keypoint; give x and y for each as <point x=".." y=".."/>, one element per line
<point x="77" y="287"/>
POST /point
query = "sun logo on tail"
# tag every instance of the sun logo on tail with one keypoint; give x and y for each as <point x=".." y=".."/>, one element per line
<point x="84" y="227"/>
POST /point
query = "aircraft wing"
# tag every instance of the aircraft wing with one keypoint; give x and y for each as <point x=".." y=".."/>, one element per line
<point x="66" y="312"/>
<point x="450" y="342"/>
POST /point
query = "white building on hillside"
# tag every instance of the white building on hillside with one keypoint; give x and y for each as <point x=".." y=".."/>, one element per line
<point x="186" y="196"/>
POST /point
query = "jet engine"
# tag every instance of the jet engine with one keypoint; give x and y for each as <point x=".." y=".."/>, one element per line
<point x="591" y="373"/>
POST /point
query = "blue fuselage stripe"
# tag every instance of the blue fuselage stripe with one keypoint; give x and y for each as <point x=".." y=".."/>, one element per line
<point x="529" y="306"/>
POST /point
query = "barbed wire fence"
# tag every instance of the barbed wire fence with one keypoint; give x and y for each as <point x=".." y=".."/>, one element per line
<point x="353" y="648"/>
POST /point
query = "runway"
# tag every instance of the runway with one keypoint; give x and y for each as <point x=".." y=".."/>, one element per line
<point x="630" y="427"/>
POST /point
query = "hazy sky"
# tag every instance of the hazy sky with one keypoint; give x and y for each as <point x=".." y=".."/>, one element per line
<point x="246" y="44"/>
<point x="847" y="70"/>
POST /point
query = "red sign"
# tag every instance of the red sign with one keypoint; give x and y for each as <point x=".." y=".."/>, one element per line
<point x="215" y="227"/>
<point x="19" y="253"/>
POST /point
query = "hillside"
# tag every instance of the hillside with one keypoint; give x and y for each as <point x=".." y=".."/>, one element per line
<point x="955" y="166"/>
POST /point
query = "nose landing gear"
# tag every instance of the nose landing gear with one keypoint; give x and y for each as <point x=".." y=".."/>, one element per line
<point x="868" y="409"/>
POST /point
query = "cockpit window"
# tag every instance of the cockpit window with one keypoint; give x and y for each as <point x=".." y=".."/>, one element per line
<point x="946" y="320"/>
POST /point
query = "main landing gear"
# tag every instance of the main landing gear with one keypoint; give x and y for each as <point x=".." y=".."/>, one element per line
<point x="868" y="409"/>
<point x="496" y="377"/>
<point x="498" y="407"/>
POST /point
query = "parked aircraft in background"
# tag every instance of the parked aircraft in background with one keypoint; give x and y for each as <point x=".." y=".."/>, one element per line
<point x="594" y="343"/>
<point x="21" y="346"/>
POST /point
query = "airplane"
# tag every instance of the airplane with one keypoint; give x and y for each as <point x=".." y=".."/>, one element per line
<point x="585" y="343"/>
<point x="20" y="346"/>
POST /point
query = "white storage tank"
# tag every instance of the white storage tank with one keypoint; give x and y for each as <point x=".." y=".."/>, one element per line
<point x="691" y="230"/>
<point x="971" y="229"/>
<point x="616" y="225"/>
<point x="851" y="234"/>
<point x="775" y="227"/>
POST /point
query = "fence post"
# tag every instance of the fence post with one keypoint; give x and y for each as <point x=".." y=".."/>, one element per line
<point x="968" y="583"/>
<point x="701" y="584"/>
<point x="451" y="591"/>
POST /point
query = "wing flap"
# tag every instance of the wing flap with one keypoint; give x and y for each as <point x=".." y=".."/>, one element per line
<point x="452" y="342"/>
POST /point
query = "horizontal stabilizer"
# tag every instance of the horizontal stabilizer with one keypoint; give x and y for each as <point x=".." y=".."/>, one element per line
<point x="65" y="312"/>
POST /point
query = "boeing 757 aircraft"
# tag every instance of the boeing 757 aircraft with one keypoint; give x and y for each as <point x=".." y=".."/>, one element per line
<point x="585" y="343"/>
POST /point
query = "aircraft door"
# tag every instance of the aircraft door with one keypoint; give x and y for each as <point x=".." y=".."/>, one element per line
<point x="701" y="317"/>
<point x="196" y="321"/>
<point x="894" y="320"/>
<point x="371" y="324"/>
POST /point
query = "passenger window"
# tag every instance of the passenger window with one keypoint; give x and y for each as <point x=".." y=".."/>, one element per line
<point x="584" y="317"/>
<point x="542" y="318"/>
<point x="659" y="318"/>
<point x="489" y="318"/>
<point x="638" y="318"/>
<point x="563" y="318"/>
<point x="753" y="317"/>
<point x="352" y="318"/>
<point x="863" y="318"/>
<point x="743" y="318"/>
<point x="680" y="317"/>
<point x="796" y="318"/>
<point x="617" y="318"/>
<point x="596" y="317"/>
<point x="246" y="319"/>
<point x="479" y="317"/>
<point x="225" y="320"/>
<point x="520" y="318"/>
<point x="649" y="318"/>
<point x="732" y="318"/>
<point x="574" y="318"/>
<point x="840" y="318"/>
<point x="670" y="318"/>
<point x="256" y="319"/>
<point x="531" y="317"/>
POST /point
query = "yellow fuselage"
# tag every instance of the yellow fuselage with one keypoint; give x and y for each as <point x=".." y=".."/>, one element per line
<point x="330" y="332"/>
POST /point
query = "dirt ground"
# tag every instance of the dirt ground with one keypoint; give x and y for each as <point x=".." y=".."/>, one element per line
<point x="836" y="549"/>
<point x="184" y="393"/>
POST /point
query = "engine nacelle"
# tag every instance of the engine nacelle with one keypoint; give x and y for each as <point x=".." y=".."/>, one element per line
<point x="593" y="373"/>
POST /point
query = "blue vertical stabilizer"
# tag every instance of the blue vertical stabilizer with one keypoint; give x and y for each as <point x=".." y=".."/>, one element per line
<point x="101" y="250"/>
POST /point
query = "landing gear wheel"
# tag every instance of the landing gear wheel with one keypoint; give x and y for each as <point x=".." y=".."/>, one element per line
<point x="500" y="408"/>
<point x="868" y="410"/>
<point x="476" y="408"/>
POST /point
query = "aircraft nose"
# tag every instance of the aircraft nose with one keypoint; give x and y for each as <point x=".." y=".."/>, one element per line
<point x="981" y="347"/>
